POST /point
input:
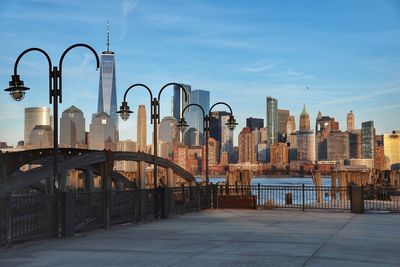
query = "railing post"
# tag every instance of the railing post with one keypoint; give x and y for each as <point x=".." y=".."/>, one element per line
<point x="183" y="198"/>
<point x="107" y="218"/>
<point x="9" y="218"/>
<point x="157" y="202"/>
<point x="68" y="214"/>
<point x="134" y="206"/>
<point x="357" y="199"/>
<point x="258" y="193"/>
<point x="197" y="198"/>
<point x="163" y="202"/>
<point x="215" y="196"/>
<point x="303" y="196"/>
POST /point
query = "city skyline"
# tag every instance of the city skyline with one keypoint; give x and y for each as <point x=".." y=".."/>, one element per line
<point x="240" y="61"/>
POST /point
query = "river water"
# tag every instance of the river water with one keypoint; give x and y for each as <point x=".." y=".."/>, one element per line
<point x="290" y="181"/>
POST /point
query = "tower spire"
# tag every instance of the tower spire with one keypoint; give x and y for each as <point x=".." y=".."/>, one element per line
<point x="108" y="36"/>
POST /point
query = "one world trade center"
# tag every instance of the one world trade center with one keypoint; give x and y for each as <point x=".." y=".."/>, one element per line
<point x="107" y="87"/>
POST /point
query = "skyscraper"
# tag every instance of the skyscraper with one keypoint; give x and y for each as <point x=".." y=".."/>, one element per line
<point x="141" y="128"/>
<point x="195" y="115"/>
<point x="283" y="116"/>
<point x="272" y="120"/>
<point x="355" y="144"/>
<point x="72" y="128"/>
<point x="226" y="143"/>
<point x="306" y="146"/>
<point x="350" y="121"/>
<point x="179" y="102"/>
<point x="391" y="143"/>
<point x="107" y="85"/>
<point x="304" y="120"/>
<point x="41" y="136"/>
<point x="368" y="139"/>
<point x="254" y="123"/>
<point x="169" y="133"/>
<point x="338" y="146"/>
<point x="35" y="116"/>
<point x="290" y="125"/>
<point x="246" y="146"/>
<point x="102" y="132"/>
<point x="218" y="128"/>
<point x="305" y="138"/>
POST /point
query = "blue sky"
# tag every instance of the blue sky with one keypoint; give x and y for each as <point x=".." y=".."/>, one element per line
<point x="346" y="52"/>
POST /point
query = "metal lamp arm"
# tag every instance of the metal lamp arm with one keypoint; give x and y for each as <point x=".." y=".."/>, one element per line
<point x="168" y="84"/>
<point x="135" y="85"/>
<point x="220" y="103"/>
<point x="41" y="51"/>
<point x="62" y="59"/>
<point x="193" y="104"/>
<point x="159" y="95"/>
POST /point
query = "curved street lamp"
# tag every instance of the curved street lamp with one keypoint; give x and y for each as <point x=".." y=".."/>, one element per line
<point x="17" y="91"/>
<point x="125" y="112"/>
<point x="206" y="125"/>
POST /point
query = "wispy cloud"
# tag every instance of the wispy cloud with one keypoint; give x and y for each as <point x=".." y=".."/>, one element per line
<point x="260" y="68"/>
<point x="360" y="97"/>
<point x="164" y="18"/>
<point x="301" y="75"/>
<point x="127" y="8"/>
<point x="395" y="106"/>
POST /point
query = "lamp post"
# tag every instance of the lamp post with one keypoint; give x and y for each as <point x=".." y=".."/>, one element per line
<point x="206" y="125"/>
<point x="17" y="91"/>
<point x="155" y="120"/>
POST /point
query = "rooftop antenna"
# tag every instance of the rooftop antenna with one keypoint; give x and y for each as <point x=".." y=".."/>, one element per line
<point x="108" y="36"/>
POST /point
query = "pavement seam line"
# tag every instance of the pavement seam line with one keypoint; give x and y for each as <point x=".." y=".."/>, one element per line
<point x="329" y="239"/>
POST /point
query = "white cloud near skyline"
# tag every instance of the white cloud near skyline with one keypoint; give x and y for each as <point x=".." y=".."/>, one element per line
<point x="127" y="8"/>
<point x="260" y="68"/>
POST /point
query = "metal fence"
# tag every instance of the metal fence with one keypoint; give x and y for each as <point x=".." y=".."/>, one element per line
<point x="381" y="199"/>
<point x="90" y="210"/>
<point x="268" y="196"/>
<point x="3" y="221"/>
<point x="31" y="217"/>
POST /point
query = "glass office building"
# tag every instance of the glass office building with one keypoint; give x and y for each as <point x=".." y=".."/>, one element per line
<point x="179" y="102"/>
<point x="107" y="87"/>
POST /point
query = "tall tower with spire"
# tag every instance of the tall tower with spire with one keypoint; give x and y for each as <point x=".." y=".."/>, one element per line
<point x="304" y="120"/>
<point x="350" y="121"/>
<point x="107" y="84"/>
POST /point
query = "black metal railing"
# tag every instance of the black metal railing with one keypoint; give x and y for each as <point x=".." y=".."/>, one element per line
<point x="31" y="217"/>
<point x="123" y="206"/>
<point x="3" y="221"/>
<point x="381" y="199"/>
<point x="90" y="210"/>
<point x="271" y="196"/>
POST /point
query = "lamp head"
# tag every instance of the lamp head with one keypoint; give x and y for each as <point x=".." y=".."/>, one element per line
<point x="16" y="88"/>
<point x="182" y="125"/>
<point x="231" y="123"/>
<point x="124" y="111"/>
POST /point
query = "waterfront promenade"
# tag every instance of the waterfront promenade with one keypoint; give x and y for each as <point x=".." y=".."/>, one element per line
<point x="226" y="238"/>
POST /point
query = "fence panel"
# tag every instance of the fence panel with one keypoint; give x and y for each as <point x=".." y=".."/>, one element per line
<point x="123" y="206"/>
<point x="3" y="221"/>
<point x="34" y="217"/>
<point x="177" y="201"/>
<point x="275" y="196"/>
<point x="205" y="197"/>
<point x="381" y="199"/>
<point x="149" y="197"/>
<point x="190" y="199"/>
<point x="90" y="210"/>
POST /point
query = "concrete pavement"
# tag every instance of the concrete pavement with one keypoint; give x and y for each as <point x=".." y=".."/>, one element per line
<point x="227" y="238"/>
